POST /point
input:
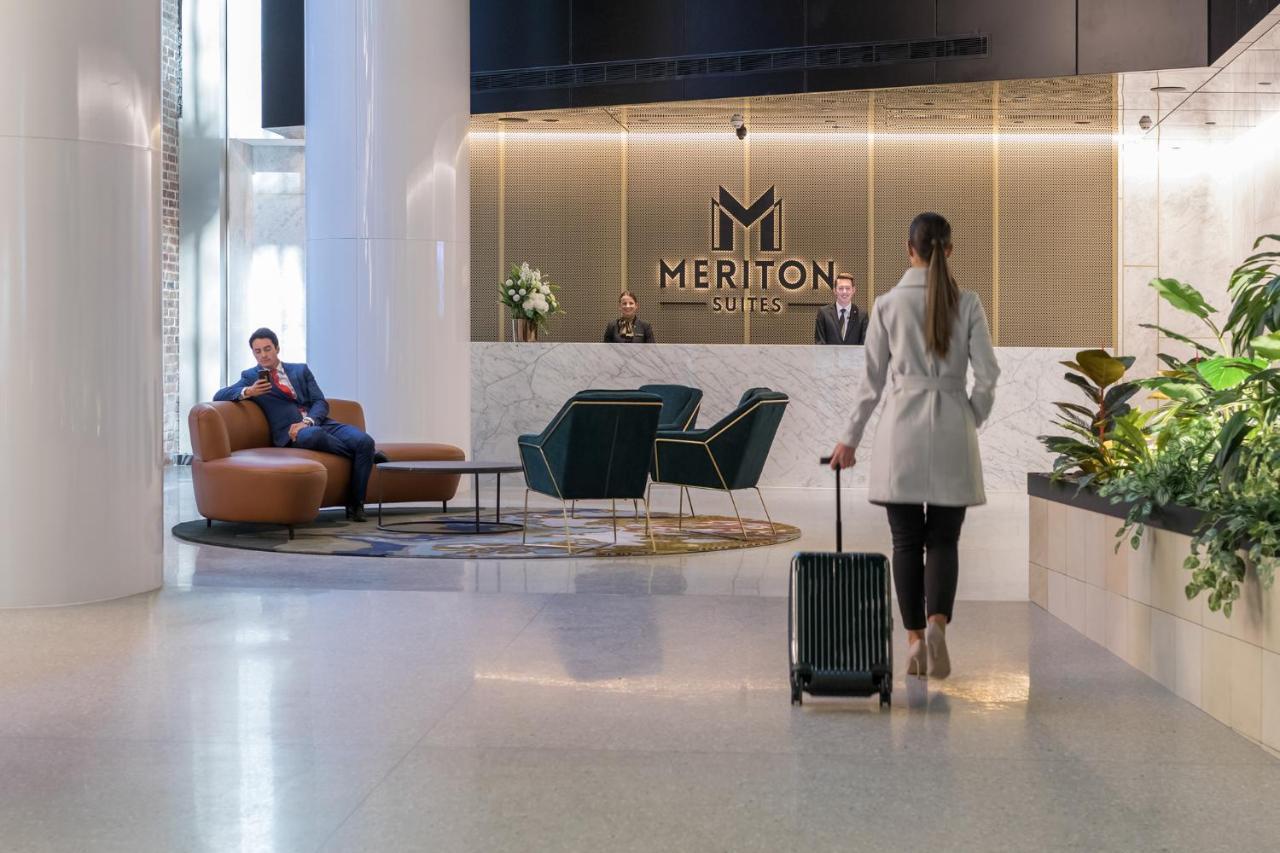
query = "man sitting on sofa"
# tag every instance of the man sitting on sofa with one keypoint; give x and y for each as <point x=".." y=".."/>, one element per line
<point x="298" y="414"/>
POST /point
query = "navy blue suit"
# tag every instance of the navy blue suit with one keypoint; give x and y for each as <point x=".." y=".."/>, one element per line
<point x="328" y="436"/>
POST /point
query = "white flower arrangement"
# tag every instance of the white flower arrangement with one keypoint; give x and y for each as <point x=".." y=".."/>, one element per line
<point x="528" y="296"/>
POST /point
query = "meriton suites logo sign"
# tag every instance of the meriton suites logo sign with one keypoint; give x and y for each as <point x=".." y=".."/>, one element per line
<point x="716" y="275"/>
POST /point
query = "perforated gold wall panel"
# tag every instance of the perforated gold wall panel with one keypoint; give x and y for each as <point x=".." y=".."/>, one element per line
<point x="563" y="215"/>
<point x="1057" y="213"/>
<point x="671" y="179"/>
<point x="823" y="184"/>
<point x="598" y="198"/>
<point x="933" y="150"/>
<point x="484" y="238"/>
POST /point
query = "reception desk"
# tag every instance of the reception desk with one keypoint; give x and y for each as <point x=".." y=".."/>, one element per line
<point x="517" y="388"/>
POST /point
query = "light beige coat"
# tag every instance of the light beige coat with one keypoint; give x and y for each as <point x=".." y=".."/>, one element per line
<point x="926" y="445"/>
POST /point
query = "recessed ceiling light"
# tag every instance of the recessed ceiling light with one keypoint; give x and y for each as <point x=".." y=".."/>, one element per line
<point x="514" y="120"/>
<point x="1084" y="122"/>
<point x="1264" y="82"/>
<point x="550" y="120"/>
<point x="1211" y="123"/>
<point x="1168" y="88"/>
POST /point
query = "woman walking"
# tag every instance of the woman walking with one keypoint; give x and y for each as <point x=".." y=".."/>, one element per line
<point x="925" y="469"/>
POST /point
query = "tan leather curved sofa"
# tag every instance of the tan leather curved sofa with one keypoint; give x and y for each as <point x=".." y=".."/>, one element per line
<point x="239" y="476"/>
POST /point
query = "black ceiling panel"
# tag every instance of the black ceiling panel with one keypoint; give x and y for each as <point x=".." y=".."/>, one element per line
<point x="732" y="86"/>
<point x="607" y="29"/>
<point x="520" y="35"/>
<point x="1142" y="35"/>
<point x="721" y="27"/>
<point x="834" y="80"/>
<point x="833" y="21"/>
<point x="1028" y="38"/>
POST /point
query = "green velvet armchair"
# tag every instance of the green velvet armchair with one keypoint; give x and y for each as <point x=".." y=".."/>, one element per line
<point x="680" y="405"/>
<point x="597" y="447"/>
<point x="726" y="456"/>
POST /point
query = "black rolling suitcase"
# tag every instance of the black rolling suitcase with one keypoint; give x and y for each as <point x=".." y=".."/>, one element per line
<point x="840" y="621"/>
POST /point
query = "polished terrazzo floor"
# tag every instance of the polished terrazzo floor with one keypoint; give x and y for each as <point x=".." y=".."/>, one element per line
<point x="619" y="706"/>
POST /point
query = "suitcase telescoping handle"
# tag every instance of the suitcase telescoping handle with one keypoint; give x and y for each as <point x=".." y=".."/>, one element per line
<point x="826" y="461"/>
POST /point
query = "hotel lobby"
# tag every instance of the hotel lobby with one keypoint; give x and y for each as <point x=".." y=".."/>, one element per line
<point x="510" y="583"/>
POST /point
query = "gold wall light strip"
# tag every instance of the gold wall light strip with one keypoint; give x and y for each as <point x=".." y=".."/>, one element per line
<point x="995" y="213"/>
<point x="746" y="239"/>
<point x="871" y="200"/>
<point x="502" y="224"/>
<point x="622" y="211"/>
<point x="1117" y="279"/>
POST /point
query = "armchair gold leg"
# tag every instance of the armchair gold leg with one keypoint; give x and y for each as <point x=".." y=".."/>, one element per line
<point x="635" y="508"/>
<point x="737" y="515"/>
<point x="614" y="505"/>
<point x="648" y="495"/>
<point x="568" y="543"/>
<point x="573" y="509"/>
<point x="772" y="530"/>
<point x="689" y="495"/>
<point x="648" y="529"/>
<point x="524" y="529"/>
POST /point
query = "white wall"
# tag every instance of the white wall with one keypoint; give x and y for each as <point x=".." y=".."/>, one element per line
<point x="1194" y="196"/>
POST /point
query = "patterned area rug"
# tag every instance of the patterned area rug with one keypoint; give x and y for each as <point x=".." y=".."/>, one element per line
<point x="591" y="532"/>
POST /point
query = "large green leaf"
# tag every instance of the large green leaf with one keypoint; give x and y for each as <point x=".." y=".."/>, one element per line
<point x="1119" y="394"/>
<point x="1267" y="346"/>
<point x="1132" y="438"/>
<point x="1201" y="348"/>
<point x="1100" y="366"/>
<point x="1183" y="296"/>
<point x="1230" y="439"/>
<point x="1183" y="392"/>
<point x="1085" y="385"/>
<point x="1222" y="372"/>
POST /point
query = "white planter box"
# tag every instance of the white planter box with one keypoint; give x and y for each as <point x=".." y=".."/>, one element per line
<point x="1134" y="604"/>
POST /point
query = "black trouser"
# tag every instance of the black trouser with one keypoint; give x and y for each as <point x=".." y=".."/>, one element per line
<point x="926" y="563"/>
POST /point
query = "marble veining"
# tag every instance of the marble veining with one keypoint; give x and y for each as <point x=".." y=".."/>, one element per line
<point x="517" y="388"/>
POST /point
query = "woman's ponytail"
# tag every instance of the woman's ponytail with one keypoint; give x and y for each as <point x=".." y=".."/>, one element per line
<point x="930" y="238"/>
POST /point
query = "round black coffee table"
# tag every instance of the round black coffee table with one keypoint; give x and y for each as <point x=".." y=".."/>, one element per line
<point x="452" y="525"/>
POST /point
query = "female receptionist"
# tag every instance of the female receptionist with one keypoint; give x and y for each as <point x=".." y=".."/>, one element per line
<point x="628" y="328"/>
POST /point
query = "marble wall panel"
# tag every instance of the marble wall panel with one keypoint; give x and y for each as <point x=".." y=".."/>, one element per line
<point x="1197" y="209"/>
<point x="517" y="388"/>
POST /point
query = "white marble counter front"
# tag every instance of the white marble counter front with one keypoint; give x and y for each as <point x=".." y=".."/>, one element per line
<point x="518" y="388"/>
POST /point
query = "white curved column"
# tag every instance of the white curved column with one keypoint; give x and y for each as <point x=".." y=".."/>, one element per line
<point x="388" y="212"/>
<point x="80" y="436"/>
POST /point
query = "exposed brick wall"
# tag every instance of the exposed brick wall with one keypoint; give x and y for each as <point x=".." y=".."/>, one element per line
<point x="171" y="100"/>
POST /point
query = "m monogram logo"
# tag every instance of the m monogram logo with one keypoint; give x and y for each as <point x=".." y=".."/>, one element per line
<point x="727" y="209"/>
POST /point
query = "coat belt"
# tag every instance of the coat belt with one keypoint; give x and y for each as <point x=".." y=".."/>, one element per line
<point x="929" y="383"/>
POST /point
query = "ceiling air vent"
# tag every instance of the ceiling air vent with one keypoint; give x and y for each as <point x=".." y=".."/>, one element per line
<point x="852" y="55"/>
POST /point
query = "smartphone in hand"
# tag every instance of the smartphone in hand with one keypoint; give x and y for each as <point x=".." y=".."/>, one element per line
<point x="264" y="375"/>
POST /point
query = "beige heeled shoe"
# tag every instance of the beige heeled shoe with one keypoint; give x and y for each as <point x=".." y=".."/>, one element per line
<point x="935" y="642"/>
<point x="916" y="658"/>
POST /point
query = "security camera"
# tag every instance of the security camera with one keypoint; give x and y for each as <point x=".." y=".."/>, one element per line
<point x="739" y="126"/>
<point x="1145" y="122"/>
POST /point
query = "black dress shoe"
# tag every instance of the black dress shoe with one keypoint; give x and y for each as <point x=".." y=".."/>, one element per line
<point x="379" y="456"/>
<point x="356" y="513"/>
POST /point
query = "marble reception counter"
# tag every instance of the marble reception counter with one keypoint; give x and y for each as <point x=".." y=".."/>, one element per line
<point x="517" y="388"/>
